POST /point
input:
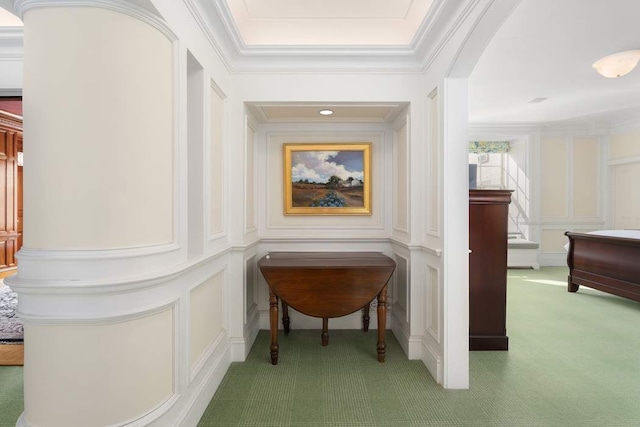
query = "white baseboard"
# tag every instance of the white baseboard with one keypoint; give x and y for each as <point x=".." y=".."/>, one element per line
<point x="558" y="259"/>
<point x="433" y="362"/>
<point x="191" y="410"/>
<point x="523" y="258"/>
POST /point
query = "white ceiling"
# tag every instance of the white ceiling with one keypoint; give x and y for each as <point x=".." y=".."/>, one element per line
<point x="328" y="22"/>
<point x="544" y="50"/>
<point x="9" y="20"/>
<point x="310" y="112"/>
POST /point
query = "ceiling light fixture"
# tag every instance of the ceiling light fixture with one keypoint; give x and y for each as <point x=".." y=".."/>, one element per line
<point x="617" y="64"/>
<point x="326" y="112"/>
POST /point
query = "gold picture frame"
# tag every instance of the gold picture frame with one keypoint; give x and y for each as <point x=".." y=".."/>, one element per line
<point x="327" y="179"/>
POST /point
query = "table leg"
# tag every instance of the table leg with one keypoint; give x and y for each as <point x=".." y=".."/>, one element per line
<point x="365" y="317"/>
<point x="273" y="326"/>
<point x="382" y="323"/>
<point x="325" y="331"/>
<point x="285" y="316"/>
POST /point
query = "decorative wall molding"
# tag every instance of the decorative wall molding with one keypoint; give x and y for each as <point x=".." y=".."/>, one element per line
<point x="433" y="223"/>
<point x="250" y="287"/>
<point x="401" y="295"/>
<point x="566" y="222"/>
<point x="580" y="127"/>
<point x="403" y="122"/>
<point x="83" y="319"/>
<point x="250" y="158"/>
<point x="623" y="161"/>
<point x="627" y="123"/>
<point x="11" y="43"/>
<point x="147" y="15"/>
<point x="11" y="92"/>
<point x="11" y="120"/>
<point x="433" y="294"/>
<point x="12" y="33"/>
<point x="215" y="21"/>
<point x="111" y="268"/>
<point x="325" y="240"/>
<point x="11" y="56"/>
<point x="99" y="276"/>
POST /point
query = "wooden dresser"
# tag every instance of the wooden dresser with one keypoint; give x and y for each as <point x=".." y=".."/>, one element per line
<point x="488" y="233"/>
<point x="10" y="190"/>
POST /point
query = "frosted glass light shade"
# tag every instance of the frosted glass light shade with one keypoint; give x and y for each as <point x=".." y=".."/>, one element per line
<point x="617" y="64"/>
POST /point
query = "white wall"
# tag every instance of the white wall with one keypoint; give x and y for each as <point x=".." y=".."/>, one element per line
<point x="108" y="147"/>
<point x="63" y="147"/>
<point x="425" y="231"/>
<point x="570" y="172"/>
<point x="624" y="166"/>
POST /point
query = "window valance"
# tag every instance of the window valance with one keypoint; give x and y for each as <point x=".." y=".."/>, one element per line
<point x="479" y="147"/>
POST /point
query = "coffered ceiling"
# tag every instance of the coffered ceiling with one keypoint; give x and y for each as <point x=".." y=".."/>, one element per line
<point x="328" y="22"/>
<point x="342" y="112"/>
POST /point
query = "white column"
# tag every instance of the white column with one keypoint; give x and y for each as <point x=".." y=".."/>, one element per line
<point x="456" y="235"/>
<point x="100" y="215"/>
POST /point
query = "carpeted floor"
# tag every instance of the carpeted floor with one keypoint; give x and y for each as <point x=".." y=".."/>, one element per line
<point x="11" y="395"/>
<point x="573" y="361"/>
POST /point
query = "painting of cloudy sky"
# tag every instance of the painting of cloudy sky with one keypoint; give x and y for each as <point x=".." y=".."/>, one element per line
<point x="319" y="166"/>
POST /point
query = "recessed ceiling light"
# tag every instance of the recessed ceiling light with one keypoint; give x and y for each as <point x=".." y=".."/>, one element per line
<point x="326" y="112"/>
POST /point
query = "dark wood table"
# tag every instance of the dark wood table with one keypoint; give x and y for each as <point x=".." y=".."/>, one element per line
<point x="326" y="284"/>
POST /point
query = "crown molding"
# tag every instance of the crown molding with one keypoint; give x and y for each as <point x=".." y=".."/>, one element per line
<point x="11" y="43"/>
<point x="203" y="17"/>
<point x="445" y="18"/>
<point x="587" y="126"/>
<point x="12" y="33"/>
<point x="140" y="10"/>
<point x="10" y="92"/>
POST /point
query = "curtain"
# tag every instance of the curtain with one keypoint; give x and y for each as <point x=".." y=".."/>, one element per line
<point x="479" y="147"/>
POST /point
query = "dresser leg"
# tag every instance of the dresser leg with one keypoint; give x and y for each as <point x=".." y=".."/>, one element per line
<point x="325" y="331"/>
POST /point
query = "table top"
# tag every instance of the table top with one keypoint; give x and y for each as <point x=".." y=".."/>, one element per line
<point x="323" y="260"/>
<point x="326" y="284"/>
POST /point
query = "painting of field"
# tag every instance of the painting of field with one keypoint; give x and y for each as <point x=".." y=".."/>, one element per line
<point x="319" y="195"/>
<point x="327" y="178"/>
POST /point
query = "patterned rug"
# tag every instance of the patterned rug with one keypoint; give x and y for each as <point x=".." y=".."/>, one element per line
<point x="11" y="330"/>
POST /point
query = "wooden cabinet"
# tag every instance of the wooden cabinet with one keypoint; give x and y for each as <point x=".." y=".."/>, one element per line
<point x="488" y="233"/>
<point x="10" y="190"/>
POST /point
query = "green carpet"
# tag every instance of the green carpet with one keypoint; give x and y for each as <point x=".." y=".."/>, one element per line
<point x="573" y="361"/>
<point x="11" y="395"/>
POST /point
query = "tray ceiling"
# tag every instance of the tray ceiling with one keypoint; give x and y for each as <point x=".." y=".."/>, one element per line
<point x="328" y="22"/>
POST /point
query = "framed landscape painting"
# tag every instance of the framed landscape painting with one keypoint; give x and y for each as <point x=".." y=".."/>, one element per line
<point x="327" y="179"/>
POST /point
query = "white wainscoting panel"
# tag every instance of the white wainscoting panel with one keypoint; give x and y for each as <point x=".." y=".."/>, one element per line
<point x="207" y="316"/>
<point x="433" y="303"/>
